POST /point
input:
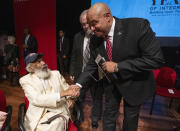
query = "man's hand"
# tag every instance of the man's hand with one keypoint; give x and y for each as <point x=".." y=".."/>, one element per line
<point x="70" y="103"/>
<point x="76" y="87"/>
<point x="109" y="66"/>
<point x="71" y="91"/>
<point x="64" y="56"/>
<point x="3" y="116"/>
<point x="25" y="46"/>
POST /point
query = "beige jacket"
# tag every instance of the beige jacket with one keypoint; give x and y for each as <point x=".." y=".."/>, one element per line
<point x="39" y="100"/>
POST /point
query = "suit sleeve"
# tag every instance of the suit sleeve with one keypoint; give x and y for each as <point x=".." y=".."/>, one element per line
<point x="66" y="49"/>
<point x="23" y="41"/>
<point x="73" y="58"/>
<point x="151" y="55"/>
<point x="33" y="45"/>
<point x="90" y="69"/>
<point x="57" y="46"/>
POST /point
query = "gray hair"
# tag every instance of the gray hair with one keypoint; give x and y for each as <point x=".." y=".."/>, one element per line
<point x="27" y="68"/>
<point x="82" y="14"/>
<point x="11" y="39"/>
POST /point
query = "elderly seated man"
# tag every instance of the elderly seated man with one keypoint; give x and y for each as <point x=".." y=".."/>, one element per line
<point x="48" y="94"/>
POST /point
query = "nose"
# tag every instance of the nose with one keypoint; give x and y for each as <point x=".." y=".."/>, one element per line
<point x="42" y="62"/>
<point x="92" y="28"/>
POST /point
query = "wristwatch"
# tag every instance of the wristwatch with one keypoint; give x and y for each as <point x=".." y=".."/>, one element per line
<point x="116" y="68"/>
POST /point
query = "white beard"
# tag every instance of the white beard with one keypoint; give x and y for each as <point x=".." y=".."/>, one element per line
<point x="43" y="74"/>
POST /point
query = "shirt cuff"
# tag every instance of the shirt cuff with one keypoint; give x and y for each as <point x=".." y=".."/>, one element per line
<point x="58" y="97"/>
<point x="79" y="85"/>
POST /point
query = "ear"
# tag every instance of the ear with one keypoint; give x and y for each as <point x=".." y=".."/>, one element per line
<point x="31" y="69"/>
<point x="108" y="16"/>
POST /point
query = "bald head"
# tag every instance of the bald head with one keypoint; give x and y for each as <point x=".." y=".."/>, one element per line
<point x="100" y="19"/>
<point x="99" y="9"/>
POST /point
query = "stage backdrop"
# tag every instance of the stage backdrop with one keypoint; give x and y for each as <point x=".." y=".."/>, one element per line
<point x="40" y="17"/>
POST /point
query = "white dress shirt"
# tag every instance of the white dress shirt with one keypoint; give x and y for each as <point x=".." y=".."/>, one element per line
<point x="27" y="38"/>
<point x="110" y="34"/>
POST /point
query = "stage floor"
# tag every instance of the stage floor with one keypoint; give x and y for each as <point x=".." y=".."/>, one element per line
<point x="162" y="119"/>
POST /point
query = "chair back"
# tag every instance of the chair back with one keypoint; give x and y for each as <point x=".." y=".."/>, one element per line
<point x="2" y="102"/>
<point x="177" y="69"/>
<point x="156" y="73"/>
<point x="7" y="109"/>
<point x="166" y="77"/>
<point x="26" y="102"/>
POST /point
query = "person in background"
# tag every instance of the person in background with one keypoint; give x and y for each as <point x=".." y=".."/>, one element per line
<point x="11" y="59"/>
<point x="48" y="94"/>
<point x="129" y="51"/>
<point x="3" y="69"/>
<point x="62" y="46"/>
<point x="79" y="59"/>
<point x="29" y="43"/>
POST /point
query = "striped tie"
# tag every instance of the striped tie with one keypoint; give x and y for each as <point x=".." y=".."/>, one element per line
<point x="108" y="48"/>
<point x="86" y="55"/>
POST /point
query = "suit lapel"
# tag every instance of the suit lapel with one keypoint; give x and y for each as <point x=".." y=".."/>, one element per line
<point x="117" y="38"/>
<point x="29" y="40"/>
<point x="53" y="84"/>
<point x="81" y="39"/>
<point x="103" y="50"/>
<point x="38" y="83"/>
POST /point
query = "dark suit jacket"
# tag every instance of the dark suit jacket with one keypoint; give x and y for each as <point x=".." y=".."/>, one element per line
<point x="32" y="45"/>
<point x="137" y="53"/>
<point x="76" y="62"/>
<point x="65" y="47"/>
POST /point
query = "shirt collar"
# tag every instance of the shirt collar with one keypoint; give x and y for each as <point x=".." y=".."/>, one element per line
<point x="111" y="32"/>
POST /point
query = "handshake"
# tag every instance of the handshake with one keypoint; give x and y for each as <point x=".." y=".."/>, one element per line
<point x="73" y="91"/>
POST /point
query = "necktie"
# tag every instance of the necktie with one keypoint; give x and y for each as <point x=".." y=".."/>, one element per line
<point x="108" y="48"/>
<point x="86" y="54"/>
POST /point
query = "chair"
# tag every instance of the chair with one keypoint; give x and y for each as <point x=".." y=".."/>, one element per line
<point x="7" y="109"/>
<point x="24" y="106"/>
<point x="177" y="69"/>
<point x="165" y="82"/>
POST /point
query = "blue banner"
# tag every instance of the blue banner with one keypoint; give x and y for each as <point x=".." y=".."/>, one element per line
<point x="164" y="15"/>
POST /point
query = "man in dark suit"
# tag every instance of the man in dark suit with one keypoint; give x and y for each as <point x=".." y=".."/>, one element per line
<point x="79" y="58"/>
<point x="131" y="52"/>
<point x="29" y="43"/>
<point x="62" y="53"/>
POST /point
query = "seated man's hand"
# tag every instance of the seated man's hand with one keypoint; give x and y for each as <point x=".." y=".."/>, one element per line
<point x="3" y="116"/>
<point x="70" y="103"/>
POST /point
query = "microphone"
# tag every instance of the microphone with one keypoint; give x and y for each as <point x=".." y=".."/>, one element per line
<point x="99" y="61"/>
<point x="109" y="76"/>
